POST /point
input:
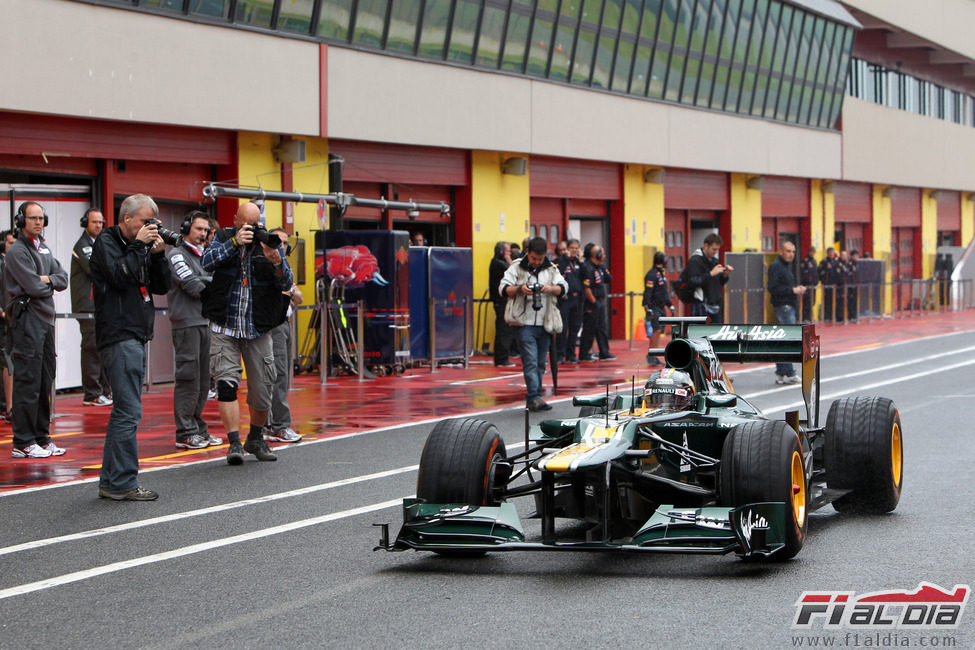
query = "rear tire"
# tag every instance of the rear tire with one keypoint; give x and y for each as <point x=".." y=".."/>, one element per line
<point x="762" y="461"/>
<point x="864" y="453"/>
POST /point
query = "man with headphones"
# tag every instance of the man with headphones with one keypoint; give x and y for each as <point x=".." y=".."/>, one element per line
<point x="656" y="303"/>
<point x="504" y="343"/>
<point x="31" y="276"/>
<point x="94" y="379"/>
<point x="191" y="334"/>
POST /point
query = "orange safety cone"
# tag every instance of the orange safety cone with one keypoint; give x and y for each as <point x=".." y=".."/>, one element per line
<point x="640" y="333"/>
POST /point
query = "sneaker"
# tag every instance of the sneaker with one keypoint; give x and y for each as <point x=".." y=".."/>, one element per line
<point x="787" y="379"/>
<point x="135" y="494"/>
<point x="608" y="357"/>
<point x="212" y="441"/>
<point x="30" y="451"/>
<point x="235" y="454"/>
<point x="538" y="404"/>
<point x="101" y="400"/>
<point x="54" y="449"/>
<point x="194" y="441"/>
<point x="504" y="364"/>
<point x="259" y="449"/>
<point x="282" y="435"/>
<point x="589" y="358"/>
<point x="212" y="394"/>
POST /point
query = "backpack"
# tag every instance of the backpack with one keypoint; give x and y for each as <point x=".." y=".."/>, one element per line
<point x="683" y="288"/>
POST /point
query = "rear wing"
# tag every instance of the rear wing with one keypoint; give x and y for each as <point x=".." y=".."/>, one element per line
<point x="764" y="343"/>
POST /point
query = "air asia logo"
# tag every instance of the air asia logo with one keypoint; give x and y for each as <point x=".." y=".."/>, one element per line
<point x="755" y="333"/>
<point x="927" y="607"/>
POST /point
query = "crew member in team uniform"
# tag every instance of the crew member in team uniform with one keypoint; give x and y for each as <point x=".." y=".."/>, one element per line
<point x="850" y="282"/>
<point x="830" y="275"/>
<point x="809" y="278"/>
<point x="570" y="266"/>
<point x="656" y="303"/>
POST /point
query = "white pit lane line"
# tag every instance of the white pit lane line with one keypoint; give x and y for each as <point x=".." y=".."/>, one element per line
<point x="275" y="530"/>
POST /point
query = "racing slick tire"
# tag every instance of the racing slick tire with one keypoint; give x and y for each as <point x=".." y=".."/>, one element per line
<point x="762" y="461"/>
<point x="863" y="453"/>
<point x="459" y="464"/>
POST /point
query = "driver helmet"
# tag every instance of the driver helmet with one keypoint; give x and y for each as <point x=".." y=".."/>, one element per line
<point x="669" y="388"/>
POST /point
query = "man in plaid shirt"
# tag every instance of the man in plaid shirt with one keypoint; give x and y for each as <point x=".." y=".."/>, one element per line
<point x="243" y="303"/>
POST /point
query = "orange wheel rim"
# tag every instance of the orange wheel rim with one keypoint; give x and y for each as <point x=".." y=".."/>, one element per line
<point x="896" y="454"/>
<point x="798" y="489"/>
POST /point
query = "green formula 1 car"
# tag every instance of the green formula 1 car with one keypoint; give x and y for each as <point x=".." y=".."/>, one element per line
<point x="683" y="464"/>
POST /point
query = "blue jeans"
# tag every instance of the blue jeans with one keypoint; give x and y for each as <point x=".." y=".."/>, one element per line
<point x="535" y="342"/>
<point x="785" y="315"/>
<point x="126" y="365"/>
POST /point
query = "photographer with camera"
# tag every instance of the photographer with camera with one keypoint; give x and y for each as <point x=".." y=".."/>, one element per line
<point x="243" y="304"/>
<point x="127" y="268"/>
<point x="532" y="287"/>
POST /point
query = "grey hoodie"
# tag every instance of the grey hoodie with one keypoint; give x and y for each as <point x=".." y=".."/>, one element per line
<point x="189" y="281"/>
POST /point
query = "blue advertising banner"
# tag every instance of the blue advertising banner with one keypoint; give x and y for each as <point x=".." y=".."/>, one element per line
<point x="452" y="287"/>
<point x="419" y="302"/>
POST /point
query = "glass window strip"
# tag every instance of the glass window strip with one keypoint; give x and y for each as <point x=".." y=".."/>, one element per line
<point x="757" y="28"/>
<point x="723" y="29"/>
<point x="801" y="68"/>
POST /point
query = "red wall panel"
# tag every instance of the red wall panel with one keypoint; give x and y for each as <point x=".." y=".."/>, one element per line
<point x="949" y="210"/>
<point x="691" y="189"/>
<point x="854" y="201"/>
<point x="785" y="197"/>
<point x="31" y="135"/>
<point x="401" y="164"/>
<point x="905" y="207"/>
<point x="567" y="178"/>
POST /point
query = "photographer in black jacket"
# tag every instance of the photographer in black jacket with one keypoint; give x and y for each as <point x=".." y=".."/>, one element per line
<point x="127" y="268"/>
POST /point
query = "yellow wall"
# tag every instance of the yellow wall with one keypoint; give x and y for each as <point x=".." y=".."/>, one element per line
<point x="881" y="237"/>
<point x="967" y="219"/>
<point x="258" y="168"/>
<point x="500" y="213"/>
<point x="929" y="233"/>
<point x="746" y="216"/>
<point x="310" y="177"/>
<point x="643" y="218"/>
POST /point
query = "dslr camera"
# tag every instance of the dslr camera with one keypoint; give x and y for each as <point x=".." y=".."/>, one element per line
<point x="262" y="235"/>
<point x="171" y="238"/>
<point x="536" y="289"/>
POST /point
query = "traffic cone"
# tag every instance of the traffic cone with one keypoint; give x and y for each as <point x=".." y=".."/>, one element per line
<point x="640" y="333"/>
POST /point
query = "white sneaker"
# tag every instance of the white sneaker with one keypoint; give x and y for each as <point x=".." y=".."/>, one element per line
<point x="54" y="449"/>
<point x="788" y="379"/>
<point x="284" y="435"/>
<point x="30" y="451"/>
<point x="212" y="394"/>
<point x="101" y="400"/>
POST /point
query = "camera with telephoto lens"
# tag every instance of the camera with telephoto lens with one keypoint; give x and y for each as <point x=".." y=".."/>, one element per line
<point x="171" y="238"/>
<point x="536" y="289"/>
<point x="262" y="235"/>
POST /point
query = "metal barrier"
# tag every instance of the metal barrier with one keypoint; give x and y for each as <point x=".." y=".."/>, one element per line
<point x="465" y="356"/>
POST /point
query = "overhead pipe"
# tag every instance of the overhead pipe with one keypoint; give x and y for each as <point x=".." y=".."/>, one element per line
<point x="341" y="199"/>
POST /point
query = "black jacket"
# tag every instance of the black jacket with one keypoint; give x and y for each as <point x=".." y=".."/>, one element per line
<point x="495" y="273"/>
<point x="124" y="277"/>
<point x="656" y="289"/>
<point x="267" y="307"/>
<point x="81" y="295"/>
<point x="781" y="282"/>
<point x="699" y="277"/>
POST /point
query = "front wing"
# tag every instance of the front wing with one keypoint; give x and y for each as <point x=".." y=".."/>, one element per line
<point x="755" y="529"/>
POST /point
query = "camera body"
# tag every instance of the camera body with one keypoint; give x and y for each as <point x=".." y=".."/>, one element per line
<point x="171" y="238"/>
<point x="536" y="289"/>
<point x="262" y="235"/>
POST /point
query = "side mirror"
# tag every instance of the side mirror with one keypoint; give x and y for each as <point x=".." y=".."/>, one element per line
<point x="721" y="401"/>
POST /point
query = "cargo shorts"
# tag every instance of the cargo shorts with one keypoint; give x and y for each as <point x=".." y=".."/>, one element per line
<point x="226" y="354"/>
